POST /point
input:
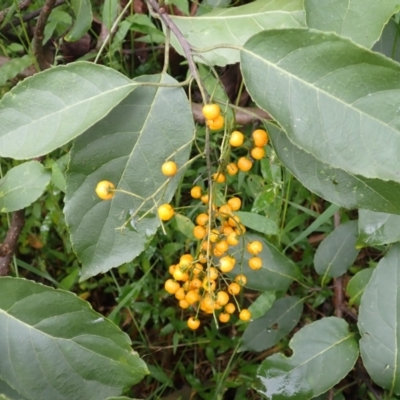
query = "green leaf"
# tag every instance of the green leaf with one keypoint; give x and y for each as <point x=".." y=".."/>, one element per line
<point x="127" y="148"/>
<point x="388" y="44"/>
<point x="22" y="185"/>
<point x="378" y="322"/>
<point x="360" y="20"/>
<point x="324" y="352"/>
<point x="340" y="109"/>
<point x="333" y="184"/>
<point x="13" y="67"/>
<point x="258" y="222"/>
<point x="277" y="271"/>
<point x="49" y="109"/>
<point x="265" y="332"/>
<point x="337" y="252"/>
<point x="184" y="225"/>
<point x="377" y="228"/>
<point x="356" y="286"/>
<point x="83" y="20"/>
<point x="9" y="393"/>
<point x="52" y="337"/>
<point x="110" y="10"/>
<point x="262" y="304"/>
<point x="183" y="5"/>
<point x="234" y="26"/>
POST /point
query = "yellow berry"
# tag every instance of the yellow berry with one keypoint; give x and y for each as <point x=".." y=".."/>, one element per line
<point x="245" y="315"/>
<point x="225" y="210"/>
<point x="202" y="219"/>
<point x="226" y="264"/>
<point x="230" y="308"/>
<point x="232" y="239"/>
<point x="171" y="286"/>
<point x="232" y="169"/>
<point x="219" y="177"/>
<point x="209" y="284"/>
<point x="236" y="139"/>
<point x="169" y="168"/>
<point x="216" y="123"/>
<point x="241" y="279"/>
<point x="260" y="137"/>
<point x="105" y="190"/>
<point x="255" y="263"/>
<point x="198" y="269"/>
<point x="234" y="288"/>
<point x="165" y="212"/>
<point x="258" y="153"/>
<point x="195" y="283"/>
<point x="211" y="111"/>
<point x="199" y="232"/>
<point x="192" y="296"/>
<point x="204" y="198"/>
<point x="193" y="323"/>
<point x="254" y="247"/>
<point x="214" y="236"/>
<point x="224" y="317"/>
<point x="222" y="298"/>
<point x="222" y="246"/>
<point x="212" y="273"/>
<point x="184" y="304"/>
<point x="195" y="192"/>
<point x="244" y="164"/>
<point x="180" y="294"/>
<point x="235" y="203"/>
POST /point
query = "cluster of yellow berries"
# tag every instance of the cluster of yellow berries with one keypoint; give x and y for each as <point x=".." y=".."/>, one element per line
<point x="214" y="119"/>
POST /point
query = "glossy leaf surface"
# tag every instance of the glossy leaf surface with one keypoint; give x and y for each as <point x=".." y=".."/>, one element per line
<point x="258" y="222"/>
<point x="377" y="228"/>
<point x="378" y="322"/>
<point x="342" y="111"/>
<point x="265" y="332"/>
<point x="53" y="107"/>
<point x="49" y="337"/>
<point x="333" y="184"/>
<point x="357" y="284"/>
<point x="22" y="185"/>
<point x="360" y="20"/>
<point x="323" y="353"/>
<point x="126" y="148"/>
<point x="234" y="26"/>
<point x="337" y="252"/>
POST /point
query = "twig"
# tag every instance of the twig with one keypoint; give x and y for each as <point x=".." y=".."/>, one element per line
<point x="7" y="249"/>
<point x="27" y="17"/>
<point x="338" y="282"/>
<point x="21" y="5"/>
<point x="37" y="42"/>
<point x="182" y="41"/>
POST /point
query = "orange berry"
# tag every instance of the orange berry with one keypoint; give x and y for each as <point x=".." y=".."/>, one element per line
<point x="184" y="304"/>
<point x="235" y="203"/>
<point x="202" y="258"/>
<point x="232" y="169"/>
<point x="255" y="263"/>
<point x="211" y="111"/>
<point x="195" y="283"/>
<point x="169" y="168"/>
<point x="254" y="247"/>
<point x="171" y="269"/>
<point x="230" y="308"/>
<point x="224" y="317"/>
<point x="202" y="219"/>
<point x="225" y="210"/>
<point x="193" y="323"/>
<point x="197" y="269"/>
<point x="236" y="139"/>
<point x="171" y="286"/>
<point x="216" y="123"/>
<point x="195" y="192"/>
<point x="260" y="137"/>
<point x="218" y="253"/>
<point x="209" y="284"/>
<point x="234" y="221"/>
<point x="244" y="164"/>
<point x="105" y="190"/>
<point x="245" y="315"/>
<point x="180" y="294"/>
<point x="219" y="177"/>
<point x="227" y="230"/>
<point x="258" y="153"/>
<point x="212" y="273"/>
<point x="199" y="232"/>
<point x="222" y="246"/>
<point x="192" y="296"/>
<point x="227" y="263"/>
<point x="234" y="288"/>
